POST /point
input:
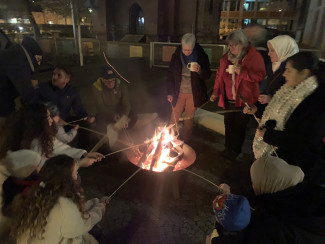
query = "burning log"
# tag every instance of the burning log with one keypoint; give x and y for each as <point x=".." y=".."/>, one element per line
<point x="145" y="155"/>
<point x="164" y="153"/>
<point x="171" y="166"/>
<point x="157" y="153"/>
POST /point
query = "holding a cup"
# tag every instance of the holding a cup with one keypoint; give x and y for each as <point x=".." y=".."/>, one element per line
<point x="186" y="89"/>
<point x="193" y="66"/>
<point x="231" y="69"/>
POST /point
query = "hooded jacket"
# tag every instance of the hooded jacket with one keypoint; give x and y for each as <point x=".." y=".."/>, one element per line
<point x="16" y="67"/>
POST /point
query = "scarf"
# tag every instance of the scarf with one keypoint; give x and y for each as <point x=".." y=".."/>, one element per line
<point x="188" y="59"/>
<point x="235" y="59"/>
<point x="285" y="47"/>
<point x="280" y="108"/>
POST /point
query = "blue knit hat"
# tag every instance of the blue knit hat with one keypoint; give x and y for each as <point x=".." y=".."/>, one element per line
<point x="53" y="109"/>
<point x="232" y="211"/>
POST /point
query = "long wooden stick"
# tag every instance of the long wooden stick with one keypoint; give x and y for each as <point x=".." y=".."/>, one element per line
<point x="125" y="182"/>
<point x="74" y="121"/>
<point x="173" y="111"/>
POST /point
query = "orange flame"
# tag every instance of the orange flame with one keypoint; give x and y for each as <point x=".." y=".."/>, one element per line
<point x="163" y="160"/>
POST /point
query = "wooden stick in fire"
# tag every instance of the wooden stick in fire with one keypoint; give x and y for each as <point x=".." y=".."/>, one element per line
<point x="173" y="111"/>
<point x="157" y="153"/>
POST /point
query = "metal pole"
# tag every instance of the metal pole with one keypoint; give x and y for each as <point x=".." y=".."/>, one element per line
<point x="81" y="57"/>
<point x="75" y="35"/>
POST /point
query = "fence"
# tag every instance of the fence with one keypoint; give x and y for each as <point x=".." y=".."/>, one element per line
<point x="161" y="53"/>
<point x="66" y="46"/>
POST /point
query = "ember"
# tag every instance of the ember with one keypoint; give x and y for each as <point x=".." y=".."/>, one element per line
<point x="164" y="153"/>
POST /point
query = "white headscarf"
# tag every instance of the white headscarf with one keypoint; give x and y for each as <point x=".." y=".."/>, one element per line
<point x="285" y="47"/>
<point x="272" y="174"/>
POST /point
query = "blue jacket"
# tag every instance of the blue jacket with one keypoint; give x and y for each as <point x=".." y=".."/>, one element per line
<point x="66" y="99"/>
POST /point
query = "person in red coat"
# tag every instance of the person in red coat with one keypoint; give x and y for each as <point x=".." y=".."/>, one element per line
<point x="237" y="81"/>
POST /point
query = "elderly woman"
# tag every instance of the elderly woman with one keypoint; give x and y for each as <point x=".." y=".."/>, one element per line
<point x="287" y="209"/>
<point x="280" y="48"/>
<point x="293" y="123"/>
<point x="186" y="89"/>
<point x="237" y="81"/>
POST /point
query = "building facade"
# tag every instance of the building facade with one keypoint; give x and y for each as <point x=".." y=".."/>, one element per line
<point x="314" y="34"/>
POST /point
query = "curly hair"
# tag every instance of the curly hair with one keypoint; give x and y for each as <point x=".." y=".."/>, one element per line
<point x="56" y="181"/>
<point x="22" y="127"/>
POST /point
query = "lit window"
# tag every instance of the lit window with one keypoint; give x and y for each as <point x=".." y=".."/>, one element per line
<point x="13" y="21"/>
<point x="50" y="22"/>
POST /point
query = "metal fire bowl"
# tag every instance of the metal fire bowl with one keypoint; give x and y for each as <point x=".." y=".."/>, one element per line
<point x="187" y="160"/>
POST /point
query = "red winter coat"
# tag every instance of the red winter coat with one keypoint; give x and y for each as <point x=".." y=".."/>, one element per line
<point x="253" y="72"/>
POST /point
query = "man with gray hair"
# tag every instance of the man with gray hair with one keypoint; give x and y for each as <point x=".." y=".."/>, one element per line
<point x="186" y="89"/>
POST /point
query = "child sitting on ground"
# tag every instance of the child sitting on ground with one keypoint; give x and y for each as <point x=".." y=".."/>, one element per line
<point x="61" y="135"/>
<point x="232" y="214"/>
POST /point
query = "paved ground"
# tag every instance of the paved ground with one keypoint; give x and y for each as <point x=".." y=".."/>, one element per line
<point x="147" y="210"/>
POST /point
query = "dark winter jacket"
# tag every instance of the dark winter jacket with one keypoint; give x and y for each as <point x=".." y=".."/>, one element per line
<point x="15" y="79"/>
<point x="226" y="237"/>
<point x="301" y="141"/>
<point x="66" y="99"/>
<point x="292" y="216"/>
<point x="273" y="84"/>
<point x="174" y="76"/>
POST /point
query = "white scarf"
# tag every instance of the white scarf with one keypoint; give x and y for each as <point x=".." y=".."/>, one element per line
<point x="284" y="46"/>
<point x="280" y="108"/>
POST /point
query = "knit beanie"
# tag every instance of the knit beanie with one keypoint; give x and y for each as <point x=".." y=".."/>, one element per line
<point x="53" y="109"/>
<point x="22" y="163"/>
<point x="32" y="48"/>
<point x="232" y="211"/>
<point x="107" y="73"/>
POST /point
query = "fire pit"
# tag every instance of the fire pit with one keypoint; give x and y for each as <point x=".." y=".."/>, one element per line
<point x="164" y="153"/>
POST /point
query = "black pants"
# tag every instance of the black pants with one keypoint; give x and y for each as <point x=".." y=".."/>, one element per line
<point x="235" y="129"/>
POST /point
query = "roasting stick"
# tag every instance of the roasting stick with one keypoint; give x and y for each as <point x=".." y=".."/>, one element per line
<point x="125" y="149"/>
<point x="125" y="182"/>
<point x="203" y="178"/>
<point x="173" y="111"/>
<point x="74" y="121"/>
<point x="257" y="120"/>
<point x="186" y="170"/>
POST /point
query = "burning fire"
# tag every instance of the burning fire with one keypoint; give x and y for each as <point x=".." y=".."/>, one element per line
<point x="163" y="153"/>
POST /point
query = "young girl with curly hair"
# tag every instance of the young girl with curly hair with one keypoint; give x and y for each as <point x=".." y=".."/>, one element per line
<point x="31" y="128"/>
<point x="55" y="210"/>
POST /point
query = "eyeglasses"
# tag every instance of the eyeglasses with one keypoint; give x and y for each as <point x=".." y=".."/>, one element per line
<point x="232" y="45"/>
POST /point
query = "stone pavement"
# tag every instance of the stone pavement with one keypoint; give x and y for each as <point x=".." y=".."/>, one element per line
<point x="145" y="210"/>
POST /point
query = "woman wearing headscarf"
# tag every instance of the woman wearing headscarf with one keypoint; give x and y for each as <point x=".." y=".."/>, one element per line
<point x="293" y="123"/>
<point x="287" y="209"/>
<point x="237" y="81"/>
<point x="280" y="49"/>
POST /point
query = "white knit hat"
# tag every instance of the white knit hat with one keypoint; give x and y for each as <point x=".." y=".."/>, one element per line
<point x="22" y="163"/>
